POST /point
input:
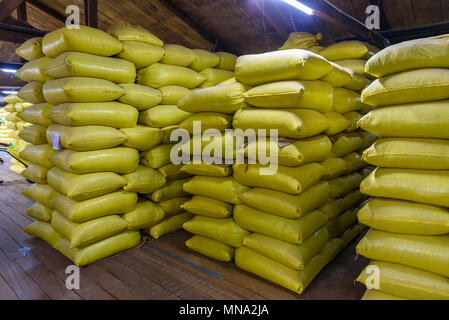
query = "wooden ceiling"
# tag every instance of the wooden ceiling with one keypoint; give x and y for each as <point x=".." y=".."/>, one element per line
<point x="239" y="26"/>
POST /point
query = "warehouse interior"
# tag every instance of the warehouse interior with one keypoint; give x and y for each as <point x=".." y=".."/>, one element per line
<point x="87" y="176"/>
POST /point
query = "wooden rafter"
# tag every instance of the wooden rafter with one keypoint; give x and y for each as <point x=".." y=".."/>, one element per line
<point x="91" y="13"/>
<point x="22" y="12"/>
<point x="187" y="20"/>
<point x="48" y="10"/>
<point x="7" y="7"/>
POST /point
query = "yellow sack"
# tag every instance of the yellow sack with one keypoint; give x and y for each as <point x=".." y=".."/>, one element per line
<point x="172" y="94"/>
<point x="144" y="215"/>
<point x="81" y="89"/>
<point x="142" y="137"/>
<point x="87" y="233"/>
<point x="286" y="205"/>
<point x="120" y="160"/>
<point x="208" y="207"/>
<point x="419" y="120"/>
<point x="271" y="270"/>
<point x="208" y="120"/>
<point x="404" y="217"/>
<point x="173" y="206"/>
<point x="34" y="70"/>
<point x="160" y="75"/>
<point x="222" y="230"/>
<point x="429" y="253"/>
<point x="354" y="64"/>
<point x="39" y="155"/>
<point x="204" y="59"/>
<point x="408" y="282"/>
<point x="291" y="255"/>
<point x="84" y="138"/>
<point x="173" y="171"/>
<point x="338" y="123"/>
<point x="172" y="189"/>
<point x="141" y="54"/>
<point x="178" y="55"/>
<point x="168" y="225"/>
<point x="34" y="134"/>
<point x="345" y="184"/>
<point x="346" y="143"/>
<point x="30" y="49"/>
<point x="379" y="296"/>
<point x="205" y="169"/>
<point x="301" y="40"/>
<point x="81" y="187"/>
<point x="409" y="184"/>
<point x="339" y="225"/>
<point x="41" y="193"/>
<point x="409" y="153"/>
<point x="335" y="167"/>
<point x="227" y="61"/>
<point x="35" y="173"/>
<point x="37" y="114"/>
<point x="291" y="230"/>
<point x="140" y="97"/>
<point x="163" y="116"/>
<point x="158" y="156"/>
<point x="224" y="189"/>
<point x="315" y="95"/>
<point x="353" y="117"/>
<point x="100" y="250"/>
<point x="12" y="98"/>
<point x="80" y="211"/>
<point x="110" y="114"/>
<point x="43" y="231"/>
<point x="355" y="162"/>
<point x="166" y="132"/>
<point x="9" y="108"/>
<point x="358" y="82"/>
<point x="409" y="86"/>
<point x="290" y="123"/>
<point x="39" y="212"/>
<point x="351" y="233"/>
<point x="414" y="54"/>
<point x="211" y="248"/>
<point x="78" y="64"/>
<point x="338" y="77"/>
<point x="345" y="50"/>
<point x="294" y="64"/>
<point x="83" y="39"/>
<point x="223" y="98"/>
<point x="292" y="180"/>
<point x="144" y="180"/>
<point x="346" y="100"/>
<point x="125" y="31"/>
<point x="215" y="76"/>
<point x="368" y="138"/>
<point x="32" y="93"/>
<point x="303" y="151"/>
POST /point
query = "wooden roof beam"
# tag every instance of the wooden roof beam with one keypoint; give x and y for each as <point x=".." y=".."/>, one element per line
<point x="91" y="13"/>
<point x="186" y="19"/>
<point x="7" y="7"/>
<point x="325" y="10"/>
<point x="22" y="12"/>
<point x="46" y="9"/>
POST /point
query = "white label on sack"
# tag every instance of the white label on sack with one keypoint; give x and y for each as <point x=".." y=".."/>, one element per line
<point x="55" y="138"/>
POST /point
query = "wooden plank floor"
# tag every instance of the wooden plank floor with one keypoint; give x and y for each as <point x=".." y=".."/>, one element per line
<point x="158" y="269"/>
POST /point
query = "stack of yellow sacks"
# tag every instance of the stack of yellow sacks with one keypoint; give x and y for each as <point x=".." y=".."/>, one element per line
<point x="79" y="163"/>
<point x="288" y="211"/>
<point x="409" y="241"/>
<point x="11" y="124"/>
<point x="211" y="152"/>
<point x="166" y="73"/>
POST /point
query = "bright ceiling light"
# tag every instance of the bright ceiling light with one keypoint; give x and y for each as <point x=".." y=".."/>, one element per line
<point x="9" y="92"/>
<point x="8" y="70"/>
<point x="300" y="6"/>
